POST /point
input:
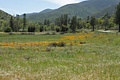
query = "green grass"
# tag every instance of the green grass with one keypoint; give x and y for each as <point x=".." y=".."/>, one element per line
<point x="27" y="38"/>
<point x="98" y="59"/>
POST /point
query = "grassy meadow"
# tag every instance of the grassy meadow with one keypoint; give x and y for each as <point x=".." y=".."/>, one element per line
<point x="80" y="56"/>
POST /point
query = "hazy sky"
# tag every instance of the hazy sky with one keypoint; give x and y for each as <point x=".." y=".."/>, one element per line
<point x="28" y="6"/>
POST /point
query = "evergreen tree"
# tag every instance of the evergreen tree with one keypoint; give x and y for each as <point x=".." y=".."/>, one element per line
<point x="117" y="16"/>
<point x="92" y="22"/>
<point x="48" y="23"/>
<point x="31" y="29"/>
<point x="88" y="19"/>
<point x="41" y="28"/>
<point x="18" y="23"/>
<point x="62" y="22"/>
<point x="12" y="23"/>
<point x="24" y="21"/>
<point x="79" y="23"/>
<point x="106" y="20"/>
<point x="65" y="19"/>
<point x="73" y="24"/>
<point x="45" y="22"/>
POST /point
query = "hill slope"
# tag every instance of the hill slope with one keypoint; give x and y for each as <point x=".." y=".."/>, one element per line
<point x="83" y="9"/>
<point x="111" y="10"/>
<point x="4" y="15"/>
<point x="46" y="11"/>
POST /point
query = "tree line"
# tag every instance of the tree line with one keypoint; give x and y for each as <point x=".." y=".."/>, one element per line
<point x="63" y="23"/>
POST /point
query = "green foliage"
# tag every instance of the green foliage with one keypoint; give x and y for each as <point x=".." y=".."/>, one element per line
<point x="24" y="21"/>
<point x="111" y="23"/>
<point x="97" y="59"/>
<point x="93" y="22"/>
<point x="73" y="24"/>
<point x="8" y="29"/>
<point x="62" y="22"/>
<point x="117" y="16"/>
<point x="64" y="28"/>
<point x="84" y="9"/>
<point x="52" y="27"/>
<point x="64" y="19"/>
<point x="4" y="16"/>
<point x="41" y="29"/>
<point x="31" y="29"/>
<point x="106" y="20"/>
<point x="46" y="22"/>
<point x="57" y="29"/>
<point x="12" y="23"/>
<point x="60" y="44"/>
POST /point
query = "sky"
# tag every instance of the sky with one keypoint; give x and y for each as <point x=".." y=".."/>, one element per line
<point x="14" y="7"/>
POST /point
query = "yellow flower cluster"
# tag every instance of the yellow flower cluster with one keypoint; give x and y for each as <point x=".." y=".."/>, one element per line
<point x="68" y="38"/>
<point x="73" y="39"/>
<point x="27" y="44"/>
<point x="77" y="37"/>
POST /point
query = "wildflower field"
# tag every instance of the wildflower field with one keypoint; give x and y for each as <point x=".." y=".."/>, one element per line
<point x="80" y="56"/>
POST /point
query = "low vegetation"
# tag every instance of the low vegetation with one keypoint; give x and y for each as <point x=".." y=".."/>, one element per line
<point x="80" y="56"/>
<point x="68" y="48"/>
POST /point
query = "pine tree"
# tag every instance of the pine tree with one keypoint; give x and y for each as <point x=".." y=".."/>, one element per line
<point x="45" y="22"/>
<point x="24" y="21"/>
<point x="117" y="16"/>
<point x="73" y="24"/>
<point x="106" y="20"/>
<point x="12" y="23"/>
<point x="92" y="22"/>
<point x="17" y="26"/>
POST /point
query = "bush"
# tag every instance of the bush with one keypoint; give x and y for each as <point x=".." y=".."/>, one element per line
<point x="62" y="33"/>
<point x="64" y="28"/>
<point x="11" y="33"/>
<point x="8" y="29"/>
<point x="57" y="29"/>
<point x="41" y="29"/>
<point x="53" y="33"/>
<point x="82" y="42"/>
<point x="54" y="44"/>
<point x="60" y="44"/>
<point x="27" y="33"/>
<point x="31" y="29"/>
<point x="48" y="33"/>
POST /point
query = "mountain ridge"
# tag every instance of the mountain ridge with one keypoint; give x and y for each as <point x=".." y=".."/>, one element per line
<point x="46" y="10"/>
<point x="82" y="9"/>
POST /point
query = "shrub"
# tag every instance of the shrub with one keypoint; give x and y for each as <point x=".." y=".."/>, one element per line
<point x="53" y="33"/>
<point x="41" y="29"/>
<point x="11" y="33"/>
<point x="61" y="32"/>
<point x="48" y="49"/>
<point x="58" y="29"/>
<point x="54" y="44"/>
<point x="31" y="29"/>
<point x="60" y="44"/>
<point x="82" y="42"/>
<point x="48" y="33"/>
<point x="8" y="29"/>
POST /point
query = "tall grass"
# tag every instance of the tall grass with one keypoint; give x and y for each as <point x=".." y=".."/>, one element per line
<point x="97" y="59"/>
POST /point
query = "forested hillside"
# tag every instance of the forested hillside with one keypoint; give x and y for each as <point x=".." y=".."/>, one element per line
<point x="4" y="15"/>
<point x="4" y="19"/>
<point x="111" y="10"/>
<point x="82" y="10"/>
